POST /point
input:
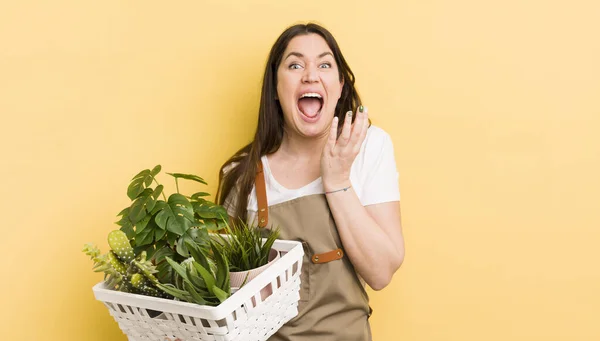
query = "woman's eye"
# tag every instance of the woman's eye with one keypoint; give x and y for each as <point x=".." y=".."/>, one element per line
<point x="326" y="65"/>
<point x="295" y="66"/>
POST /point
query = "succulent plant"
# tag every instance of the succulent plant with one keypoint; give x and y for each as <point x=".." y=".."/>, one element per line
<point x="197" y="281"/>
<point x="122" y="271"/>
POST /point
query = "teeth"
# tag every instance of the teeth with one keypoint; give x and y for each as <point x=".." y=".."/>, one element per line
<point x="311" y="94"/>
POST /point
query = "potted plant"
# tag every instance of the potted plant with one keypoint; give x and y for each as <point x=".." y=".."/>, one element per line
<point x="246" y="253"/>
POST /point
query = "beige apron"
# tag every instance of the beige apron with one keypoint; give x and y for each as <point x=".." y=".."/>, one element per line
<point x="333" y="303"/>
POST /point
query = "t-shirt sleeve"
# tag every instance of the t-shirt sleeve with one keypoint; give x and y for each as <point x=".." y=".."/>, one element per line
<point x="381" y="175"/>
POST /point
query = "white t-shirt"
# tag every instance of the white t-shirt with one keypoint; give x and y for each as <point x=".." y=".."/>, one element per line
<point x="373" y="175"/>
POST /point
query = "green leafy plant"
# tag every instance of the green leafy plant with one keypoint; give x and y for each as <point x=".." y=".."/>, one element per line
<point x="164" y="227"/>
<point x="244" y="248"/>
<point x="160" y="236"/>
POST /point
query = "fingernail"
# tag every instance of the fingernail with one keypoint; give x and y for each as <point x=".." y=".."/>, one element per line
<point x="349" y="113"/>
<point x="361" y="108"/>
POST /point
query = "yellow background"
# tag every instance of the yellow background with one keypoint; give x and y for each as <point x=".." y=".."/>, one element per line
<point x="493" y="108"/>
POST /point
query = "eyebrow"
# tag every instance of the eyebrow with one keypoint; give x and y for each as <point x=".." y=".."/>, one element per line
<point x="300" y="55"/>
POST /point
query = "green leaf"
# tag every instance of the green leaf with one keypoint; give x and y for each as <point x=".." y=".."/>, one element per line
<point x="141" y="225"/>
<point x="141" y="174"/>
<point x="137" y="250"/>
<point x="172" y="238"/>
<point x="197" y="196"/>
<point x="145" y="193"/>
<point x="124" y="220"/>
<point x="195" y="278"/>
<point x="124" y="212"/>
<point x="208" y="278"/>
<point x="221" y="212"/>
<point x="137" y="184"/>
<point x="210" y="225"/>
<point x="145" y="237"/>
<point x="162" y="252"/>
<point x="222" y="267"/>
<point x="181" y="245"/>
<point x="197" y="253"/>
<point x="157" y="191"/>
<point x="204" y="210"/>
<point x="138" y="208"/>
<point x="177" y="216"/>
<point x="159" y="234"/>
<point x="160" y="204"/>
<point x="128" y="229"/>
<point x="165" y="271"/>
<point x="197" y="298"/>
<point x="200" y="201"/>
<point x="171" y="290"/>
<point x="151" y="251"/>
<point x="221" y="295"/>
<point x="137" y="213"/>
<point x="151" y="202"/>
<point x="178" y="268"/>
<point x="199" y="236"/>
<point x="155" y="170"/>
<point x="188" y="177"/>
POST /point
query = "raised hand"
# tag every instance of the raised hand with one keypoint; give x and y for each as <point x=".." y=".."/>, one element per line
<point x="339" y="154"/>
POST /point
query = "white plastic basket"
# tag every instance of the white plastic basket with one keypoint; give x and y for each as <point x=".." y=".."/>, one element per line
<point x="243" y="316"/>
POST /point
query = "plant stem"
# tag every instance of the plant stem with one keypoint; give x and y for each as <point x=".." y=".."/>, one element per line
<point x="177" y="185"/>
<point x="163" y="192"/>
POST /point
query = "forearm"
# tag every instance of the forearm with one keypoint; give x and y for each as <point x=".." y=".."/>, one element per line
<point x="374" y="254"/>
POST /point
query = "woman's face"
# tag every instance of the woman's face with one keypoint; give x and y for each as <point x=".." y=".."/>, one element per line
<point x="308" y="85"/>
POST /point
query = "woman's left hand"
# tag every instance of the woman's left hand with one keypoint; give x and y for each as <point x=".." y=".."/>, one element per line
<point x="339" y="154"/>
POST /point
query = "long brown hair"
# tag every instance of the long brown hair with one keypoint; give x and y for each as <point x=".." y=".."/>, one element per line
<point x="240" y="170"/>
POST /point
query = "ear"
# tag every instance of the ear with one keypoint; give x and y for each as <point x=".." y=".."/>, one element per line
<point x="341" y="88"/>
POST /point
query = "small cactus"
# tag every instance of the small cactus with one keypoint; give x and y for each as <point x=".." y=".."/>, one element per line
<point x="137" y="280"/>
<point x="119" y="243"/>
<point x="123" y="271"/>
<point x="116" y="263"/>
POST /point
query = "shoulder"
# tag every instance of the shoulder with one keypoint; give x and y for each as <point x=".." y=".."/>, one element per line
<point x="377" y="131"/>
<point x="376" y="140"/>
<point x="376" y="151"/>
<point x="376" y="145"/>
<point x="374" y="171"/>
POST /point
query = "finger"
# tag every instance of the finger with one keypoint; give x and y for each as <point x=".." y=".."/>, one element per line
<point x="365" y="128"/>
<point x="346" y="130"/>
<point x="365" y="123"/>
<point x="330" y="145"/>
<point x="357" y="127"/>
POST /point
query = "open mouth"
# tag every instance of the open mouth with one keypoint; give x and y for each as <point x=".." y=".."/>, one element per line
<point x="310" y="104"/>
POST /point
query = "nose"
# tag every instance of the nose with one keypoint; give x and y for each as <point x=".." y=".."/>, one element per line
<point x="310" y="75"/>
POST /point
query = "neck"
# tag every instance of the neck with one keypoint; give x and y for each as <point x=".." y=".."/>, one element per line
<point x="303" y="148"/>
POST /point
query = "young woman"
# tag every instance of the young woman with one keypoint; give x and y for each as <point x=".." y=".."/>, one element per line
<point x="317" y="169"/>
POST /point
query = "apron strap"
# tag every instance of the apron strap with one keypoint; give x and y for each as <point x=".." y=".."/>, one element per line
<point x="261" y="196"/>
<point x="328" y="256"/>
